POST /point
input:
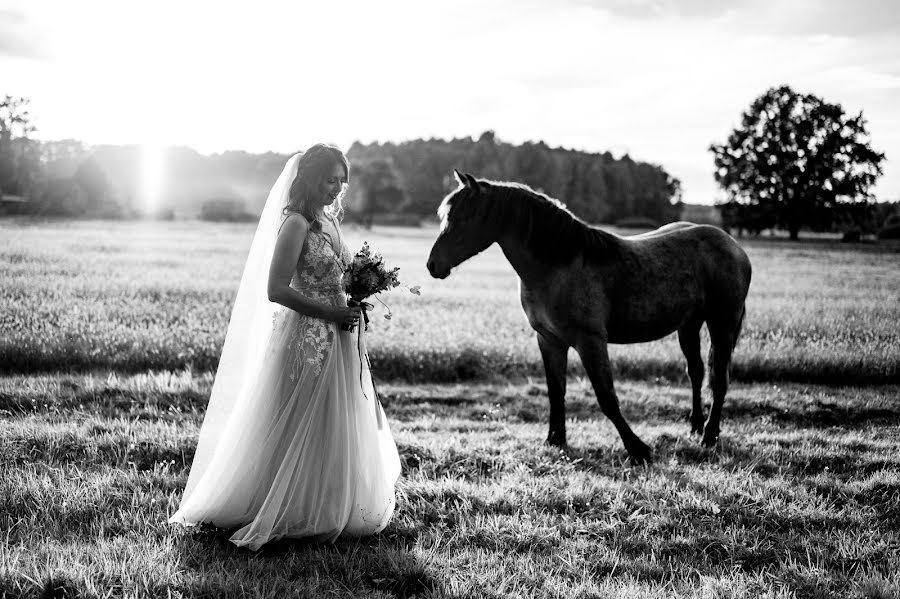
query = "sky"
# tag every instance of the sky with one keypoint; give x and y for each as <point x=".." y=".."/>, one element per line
<point x="658" y="79"/>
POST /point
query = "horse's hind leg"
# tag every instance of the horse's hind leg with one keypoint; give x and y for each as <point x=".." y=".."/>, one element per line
<point x="721" y="345"/>
<point x="555" y="360"/>
<point x="689" y="339"/>
<point x="595" y="358"/>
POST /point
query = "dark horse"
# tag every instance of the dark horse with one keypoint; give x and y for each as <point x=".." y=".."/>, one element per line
<point x="582" y="287"/>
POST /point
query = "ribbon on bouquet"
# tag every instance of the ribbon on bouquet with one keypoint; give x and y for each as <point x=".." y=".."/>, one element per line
<point x="363" y="355"/>
<point x="366" y="306"/>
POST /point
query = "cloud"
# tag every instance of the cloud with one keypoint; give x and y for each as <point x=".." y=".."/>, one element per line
<point x="18" y="38"/>
<point x="655" y="9"/>
<point x="863" y="18"/>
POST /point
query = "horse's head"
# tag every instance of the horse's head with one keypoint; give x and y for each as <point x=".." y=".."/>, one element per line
<point x="466" y="226"/>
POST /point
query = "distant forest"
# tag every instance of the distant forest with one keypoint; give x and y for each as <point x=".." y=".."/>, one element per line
<point x="412" y="177"/>
<point x="390" y="182"/>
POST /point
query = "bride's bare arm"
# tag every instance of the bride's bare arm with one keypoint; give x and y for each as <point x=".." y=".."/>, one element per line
<point x="284" y="261"/>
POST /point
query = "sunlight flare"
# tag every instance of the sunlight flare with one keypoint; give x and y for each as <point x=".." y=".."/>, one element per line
<point x="151" y="176"/>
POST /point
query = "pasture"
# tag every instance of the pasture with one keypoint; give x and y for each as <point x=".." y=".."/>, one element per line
<point x="109" y="333"/>
<point x="144" y="296"/>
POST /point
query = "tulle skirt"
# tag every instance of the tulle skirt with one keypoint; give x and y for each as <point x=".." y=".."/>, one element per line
<point x="306" y="451"/>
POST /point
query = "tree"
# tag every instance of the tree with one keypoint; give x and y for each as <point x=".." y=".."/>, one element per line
<point x="62" y="158"/>
<point x="797" y="156"/>
<point x="381" y="190"/>
<point x="16" y="156"/>
<point x="93" y="181"/>
<point x="59" y="196"/>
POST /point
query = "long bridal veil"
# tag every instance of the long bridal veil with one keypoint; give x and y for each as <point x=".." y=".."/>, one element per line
<point x="248" y="330"/>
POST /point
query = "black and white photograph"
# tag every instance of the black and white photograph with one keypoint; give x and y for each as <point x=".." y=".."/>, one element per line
<point x="574" y="299"/>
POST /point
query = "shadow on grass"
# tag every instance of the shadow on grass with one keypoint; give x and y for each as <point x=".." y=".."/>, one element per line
<point x="816" y="414"/>
<point x="796" y="407"/>
<point x="802" y="458"/>
<point x="117" y="450"/>
<point x="446" y="366"/>
<point x="384" y="563"/>
<point x="104" y="401"/>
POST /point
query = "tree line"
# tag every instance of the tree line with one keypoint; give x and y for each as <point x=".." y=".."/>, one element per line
<point x="416" y="175"/>
<point x="401" y="182"/>
<point x="795" y="161"/>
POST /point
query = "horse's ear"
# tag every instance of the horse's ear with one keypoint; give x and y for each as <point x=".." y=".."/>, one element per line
<point x="459" y="177"/>
<point x="470" y="181"/>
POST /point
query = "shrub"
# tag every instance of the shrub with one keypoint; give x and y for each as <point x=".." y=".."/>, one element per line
<point x="167" y="214"/>
<point x="636" y="222"/>
<point x="59" y="197"/>
<point x="384" y="219"/>
<point x="852" y="236"/>
<point x="225" y="210"/>
<point x="889" y="232"/>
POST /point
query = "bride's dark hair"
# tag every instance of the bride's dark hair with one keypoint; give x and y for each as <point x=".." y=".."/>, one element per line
<point x="313" y="167"/>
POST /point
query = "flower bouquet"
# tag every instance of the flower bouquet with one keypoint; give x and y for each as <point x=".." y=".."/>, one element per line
<point x="366" y="276"/>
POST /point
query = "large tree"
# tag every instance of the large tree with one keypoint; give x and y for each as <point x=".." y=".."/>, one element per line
<point x="797" y="156"/>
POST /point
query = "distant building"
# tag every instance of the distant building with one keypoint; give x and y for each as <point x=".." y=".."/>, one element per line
<point x="10" y="204"/>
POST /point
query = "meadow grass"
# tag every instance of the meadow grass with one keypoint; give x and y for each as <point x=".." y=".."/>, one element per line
<point x="133" y="296"/>
<point x="109" y="333"/>
<point x="801" y="498"/>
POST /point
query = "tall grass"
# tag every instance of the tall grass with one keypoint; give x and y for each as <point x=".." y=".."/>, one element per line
<point x="800" y="499"/>
<point x="79" y="296"/>
<point x="109" y="334"/>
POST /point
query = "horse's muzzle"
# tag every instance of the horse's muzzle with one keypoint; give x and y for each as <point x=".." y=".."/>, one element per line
<point x="435" y="271"/>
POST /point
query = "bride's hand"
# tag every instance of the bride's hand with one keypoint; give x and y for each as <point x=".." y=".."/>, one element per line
<point x="347" y="317"/>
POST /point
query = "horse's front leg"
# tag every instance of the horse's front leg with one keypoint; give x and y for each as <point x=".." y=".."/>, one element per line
<point x="595" y="357"/>
<point x="555" y="360"/>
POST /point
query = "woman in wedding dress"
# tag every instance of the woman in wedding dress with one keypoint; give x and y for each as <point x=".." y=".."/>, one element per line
<point x="294" y="442"/>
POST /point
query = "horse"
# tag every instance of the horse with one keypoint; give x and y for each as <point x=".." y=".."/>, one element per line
<point x="583" y="288"/>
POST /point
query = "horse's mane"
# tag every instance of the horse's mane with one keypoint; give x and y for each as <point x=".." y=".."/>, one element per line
<point x="549" y="229"/>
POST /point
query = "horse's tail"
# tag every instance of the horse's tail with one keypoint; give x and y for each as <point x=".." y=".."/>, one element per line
<point x="740" y="325"/>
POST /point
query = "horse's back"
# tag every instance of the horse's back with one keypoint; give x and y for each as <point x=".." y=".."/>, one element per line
<point x="720" y="263"/>
<point x="688" y="238"/>
<point x="723" y="263"/>
<point x="676" y="226"/>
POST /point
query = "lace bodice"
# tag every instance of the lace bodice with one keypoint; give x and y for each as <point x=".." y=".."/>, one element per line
<point x="320" y="269"/>
<point x="319" y="276"/>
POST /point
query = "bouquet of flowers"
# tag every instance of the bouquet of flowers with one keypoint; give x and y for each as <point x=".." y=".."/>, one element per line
<point x="368" y="275"/>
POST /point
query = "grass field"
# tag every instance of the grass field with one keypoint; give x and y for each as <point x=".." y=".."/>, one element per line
<point x="78" y="296"/>
<point x="800" y="499"/>
<point x="109" y="333"/>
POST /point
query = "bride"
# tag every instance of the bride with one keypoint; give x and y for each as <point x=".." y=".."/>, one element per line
<point x="294" y="442"/>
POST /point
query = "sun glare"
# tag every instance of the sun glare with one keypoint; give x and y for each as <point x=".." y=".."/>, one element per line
<point x="151" y="177"/>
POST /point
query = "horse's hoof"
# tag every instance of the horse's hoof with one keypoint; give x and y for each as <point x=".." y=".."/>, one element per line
<point x="557" y="440"/>
<point x="640" y="455"/>
<point x="710" y="439"/>
<point x="696" y="423"/>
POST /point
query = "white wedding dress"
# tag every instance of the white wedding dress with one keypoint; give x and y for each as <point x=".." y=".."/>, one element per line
<point x="305" y="450"/>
